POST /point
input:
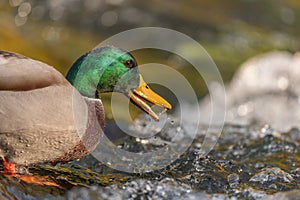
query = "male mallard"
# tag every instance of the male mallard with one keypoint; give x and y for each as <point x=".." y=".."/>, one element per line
<point x="44" y="119"/>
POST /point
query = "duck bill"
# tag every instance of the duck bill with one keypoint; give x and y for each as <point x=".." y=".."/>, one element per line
<point x="143" y="93"/>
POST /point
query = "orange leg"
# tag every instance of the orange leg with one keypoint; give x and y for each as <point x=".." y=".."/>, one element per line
<point x="9" y="168"/>
<point x="10" y="171"/>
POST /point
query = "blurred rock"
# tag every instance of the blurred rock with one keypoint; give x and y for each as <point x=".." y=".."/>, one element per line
<point x="265" y="90"/>
<point x="290" y="195"/>
<point x="271" y="175"/>
<point x="233" y="180"/>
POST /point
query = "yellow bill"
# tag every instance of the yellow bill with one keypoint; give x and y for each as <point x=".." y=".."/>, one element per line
<point x="142" y="93"/>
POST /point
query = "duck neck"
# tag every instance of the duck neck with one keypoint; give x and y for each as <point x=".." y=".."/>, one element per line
<point x="86" y="78"/>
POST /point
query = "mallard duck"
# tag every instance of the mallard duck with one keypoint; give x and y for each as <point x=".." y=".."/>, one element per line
<point x="45" y="117"/>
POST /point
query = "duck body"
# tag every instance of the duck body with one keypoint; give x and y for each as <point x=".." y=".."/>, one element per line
<point x="43" y="118"/>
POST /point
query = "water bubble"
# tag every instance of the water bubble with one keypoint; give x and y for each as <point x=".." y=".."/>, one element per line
<point x="20" y="21"/>
<point x="24" y="9"/>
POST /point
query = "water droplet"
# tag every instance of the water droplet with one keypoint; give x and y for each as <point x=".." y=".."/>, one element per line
<point x="162" y="111"/>
<point x="198" y="145"/>
<point x="233" y="179"/>
<point x="144" y="141"/>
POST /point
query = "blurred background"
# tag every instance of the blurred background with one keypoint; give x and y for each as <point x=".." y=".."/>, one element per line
<point x="59" y="31"/>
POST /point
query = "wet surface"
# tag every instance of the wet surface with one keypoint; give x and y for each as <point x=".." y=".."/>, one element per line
<point x="247" y="162"/>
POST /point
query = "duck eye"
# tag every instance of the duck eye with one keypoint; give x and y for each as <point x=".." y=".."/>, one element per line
<point x="129" y="63"/>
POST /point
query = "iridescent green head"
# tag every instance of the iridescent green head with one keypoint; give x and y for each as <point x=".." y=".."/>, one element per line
<point x="106" y="69"/>
<point x="110" y="69"/>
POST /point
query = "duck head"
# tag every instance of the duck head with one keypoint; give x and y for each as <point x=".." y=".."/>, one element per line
<point x="110" y="69"/>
